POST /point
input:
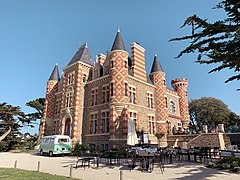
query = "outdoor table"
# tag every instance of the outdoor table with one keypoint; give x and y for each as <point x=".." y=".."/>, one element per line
<point x="111" y="155"/>
<point x="84" y="160"/>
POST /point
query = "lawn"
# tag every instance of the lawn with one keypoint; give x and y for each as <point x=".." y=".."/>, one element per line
<point x="18" y="174"/>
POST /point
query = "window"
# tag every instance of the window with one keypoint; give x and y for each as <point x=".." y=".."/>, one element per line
<point x="133" y="116"/>
<point x="63" y="140"/>
<point x="150" y="100"/>
<point x="57" y="107"/>
<point x="151" y="126"/>
<point x="94" y="97"/>
<point x="172" y="107"/>
<point x="93" y="124"/>
<point x="69" y="98"/>
<point x="67" y="128"/>
<point x="84" y="78"/>
<point x="105" y="122"/>
<point x="55" y="127"/>
<point x="71" y="78"/>
<point x="125" y="64"/>
<point x="111" y="89"/>
<point x="112" y="63"/>
<point x="126" y="89"/>
<point x="104" y="147"/>
<point x="105" y="92"/>
<point x="132" y="95"/>
<point x="166" y="101"/>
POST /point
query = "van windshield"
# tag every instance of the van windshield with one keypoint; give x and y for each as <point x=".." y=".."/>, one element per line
<point x="63" y="140"/>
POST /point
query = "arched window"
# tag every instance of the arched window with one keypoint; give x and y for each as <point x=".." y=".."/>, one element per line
<point x="67" y="129"/>
<point x="69" y="97"/>
<point x="172" y="107"/>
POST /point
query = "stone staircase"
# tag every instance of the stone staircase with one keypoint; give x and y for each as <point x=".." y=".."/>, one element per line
<point x="208" y="140"/>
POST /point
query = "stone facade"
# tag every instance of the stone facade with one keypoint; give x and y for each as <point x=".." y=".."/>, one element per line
<point x="92" y="102"/>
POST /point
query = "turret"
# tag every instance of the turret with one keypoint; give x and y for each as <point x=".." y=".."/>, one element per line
<point x="118" y="74"/>
<point x="49" y="106"/>
<point x="118" y="66"/>
<point x="180" y="86"/>
<point x="158" y="78"/>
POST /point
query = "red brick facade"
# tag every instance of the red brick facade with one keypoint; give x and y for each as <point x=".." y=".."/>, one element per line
<point x="93" y="102"/>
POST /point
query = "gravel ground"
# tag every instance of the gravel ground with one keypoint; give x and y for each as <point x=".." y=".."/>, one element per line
<point x="61" y="166"/>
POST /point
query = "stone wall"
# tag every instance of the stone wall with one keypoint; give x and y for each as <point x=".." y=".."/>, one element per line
<point x="181" y="139"/>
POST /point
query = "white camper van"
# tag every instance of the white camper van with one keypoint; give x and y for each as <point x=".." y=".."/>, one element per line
<point x="55" y="145"/>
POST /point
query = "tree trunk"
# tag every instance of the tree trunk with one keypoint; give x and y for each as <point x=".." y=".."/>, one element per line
<point x="5" y="134"/>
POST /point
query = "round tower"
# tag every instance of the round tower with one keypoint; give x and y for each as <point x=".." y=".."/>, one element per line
<point x="49" y="106"/>
<point x="157" y="76"/>
<point x="118" y="73"/>
<point x="180" y="86"/>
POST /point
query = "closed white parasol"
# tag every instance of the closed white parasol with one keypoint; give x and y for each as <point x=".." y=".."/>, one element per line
<point x="132" y="135"/>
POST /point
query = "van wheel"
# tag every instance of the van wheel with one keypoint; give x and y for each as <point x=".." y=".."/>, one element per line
<point x="41" y="152"/>
<point x="50" y="153"/>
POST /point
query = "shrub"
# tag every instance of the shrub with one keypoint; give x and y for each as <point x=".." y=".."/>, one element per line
<point x="235" y="164"/>
<point x="79" y="149"/>
<point x="212" y="165"/>
<point x="236" y="169"/>
<point x="225" y="166"/>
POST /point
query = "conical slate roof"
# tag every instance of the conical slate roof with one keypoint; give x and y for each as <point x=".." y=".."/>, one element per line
<point x="55" y="74"/>
<point x="118" y="43"/>
<point x="156" y="65"/>
<point x="82" y="55"/>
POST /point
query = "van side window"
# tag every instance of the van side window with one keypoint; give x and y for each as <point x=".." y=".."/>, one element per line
<point x="63" y="140"/>
<point x="46" y="140"/>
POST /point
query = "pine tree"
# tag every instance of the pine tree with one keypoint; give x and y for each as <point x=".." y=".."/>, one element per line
<point x="217" y="42"/>
<point x="12" y="119"/>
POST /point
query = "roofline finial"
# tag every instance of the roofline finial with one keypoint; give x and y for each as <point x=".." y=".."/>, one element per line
<point x="118" y="29"/>
<point x="86" y="42"/>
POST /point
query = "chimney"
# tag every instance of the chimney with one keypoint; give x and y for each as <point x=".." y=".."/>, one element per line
<point x="138" y="62"/>
<point x="101" y="58"/>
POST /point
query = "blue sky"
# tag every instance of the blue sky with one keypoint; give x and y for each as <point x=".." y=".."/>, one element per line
<point x="35" y="35"/>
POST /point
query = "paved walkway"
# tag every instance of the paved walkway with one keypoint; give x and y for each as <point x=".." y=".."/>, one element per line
<point x="61" y="166"/>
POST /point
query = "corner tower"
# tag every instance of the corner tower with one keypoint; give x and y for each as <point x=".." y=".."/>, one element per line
<point x="157" y="76"/>
<point x="118" y="74"/>
<point x="180" y="85"/>
<point x="49" y="106"/>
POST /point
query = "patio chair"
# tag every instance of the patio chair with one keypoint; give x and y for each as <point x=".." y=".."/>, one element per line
<point x="84" y="159"/>
<point x="159" y="158"/>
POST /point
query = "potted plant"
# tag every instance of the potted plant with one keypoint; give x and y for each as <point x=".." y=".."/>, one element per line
<point x="159" y="136"/>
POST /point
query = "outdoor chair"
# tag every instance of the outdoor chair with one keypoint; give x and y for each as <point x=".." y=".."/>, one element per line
<point x="159" y="158"/>
<point x="84" y="159"/>
<point x="132" y="158"/>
